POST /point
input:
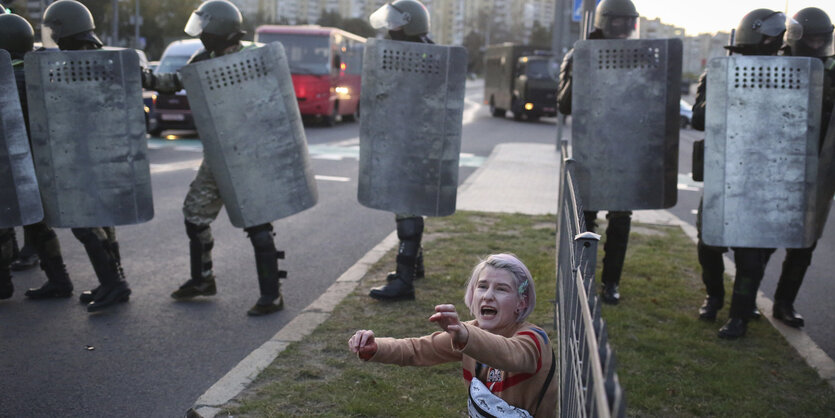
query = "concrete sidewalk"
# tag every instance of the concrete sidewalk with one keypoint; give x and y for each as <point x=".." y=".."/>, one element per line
<point x="516" y="178"/>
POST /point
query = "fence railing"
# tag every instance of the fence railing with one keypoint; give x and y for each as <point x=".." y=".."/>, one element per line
<point x="589" y="384"/>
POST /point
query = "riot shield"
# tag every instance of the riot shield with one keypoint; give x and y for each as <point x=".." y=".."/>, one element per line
<point x="20" y="201"/>
<point x="412" y="105"/>
<point x="762" y="126"/>
<point x="246" y="112"/>
<point x="625" y="122"/>
<point x="826" y="178"/>
<point x="88" y="137"/>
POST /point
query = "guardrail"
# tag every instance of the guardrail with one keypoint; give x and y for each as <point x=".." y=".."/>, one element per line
<point x="589" y="384"/>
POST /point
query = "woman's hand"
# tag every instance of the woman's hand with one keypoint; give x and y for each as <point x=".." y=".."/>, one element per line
<point x="362" y="343"/>
<point x="447" y="318"/>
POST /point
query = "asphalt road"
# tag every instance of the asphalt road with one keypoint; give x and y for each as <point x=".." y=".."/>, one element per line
<point x="155" y="356"/>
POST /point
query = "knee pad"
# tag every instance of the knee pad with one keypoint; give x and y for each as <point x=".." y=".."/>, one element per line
<point x="261" y="237"/>
<point x="410" y="228"/>
<point x="86" y="235"/>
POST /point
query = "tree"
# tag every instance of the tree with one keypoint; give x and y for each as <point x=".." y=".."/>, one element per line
<point x="540" y="36"/>
<point x="474" y="42"/>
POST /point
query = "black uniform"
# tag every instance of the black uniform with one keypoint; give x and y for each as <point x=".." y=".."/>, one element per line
<point x="619" y="222"/>
<point x="750" y="262"/>
<point x="399" y="283"/>
<point x="43" y="238"/>
<point x="797" y="260"/>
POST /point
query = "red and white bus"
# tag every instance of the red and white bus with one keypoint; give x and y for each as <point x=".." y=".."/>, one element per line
<point x="326" y="64"/>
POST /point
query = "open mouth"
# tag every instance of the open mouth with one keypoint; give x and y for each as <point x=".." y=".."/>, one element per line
<point x="488" y="311"/>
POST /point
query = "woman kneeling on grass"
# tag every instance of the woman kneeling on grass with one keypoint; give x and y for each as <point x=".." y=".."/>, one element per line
<point x="512" y="357"/>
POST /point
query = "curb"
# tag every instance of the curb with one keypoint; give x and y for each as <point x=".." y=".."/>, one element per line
<point x="797" y="338"/>
<point x="244" y="373"/>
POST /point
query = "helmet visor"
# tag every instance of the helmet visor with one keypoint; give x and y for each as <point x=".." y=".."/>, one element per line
<point x="196" y="23"/>
<point x="389" y="17"/>
<point x="772" y="25"/>
<point x="794" y="30"/>
<point x="47" y="37"/>
<point x="619" y="27"/>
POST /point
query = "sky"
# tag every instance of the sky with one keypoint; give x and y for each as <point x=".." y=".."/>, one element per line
<point x="710" y="16"/>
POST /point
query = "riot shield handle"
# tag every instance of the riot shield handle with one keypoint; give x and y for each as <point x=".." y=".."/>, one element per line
<point x="731" y="40"/>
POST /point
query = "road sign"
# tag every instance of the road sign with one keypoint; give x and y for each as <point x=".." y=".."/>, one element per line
<point x="577" y="14"/>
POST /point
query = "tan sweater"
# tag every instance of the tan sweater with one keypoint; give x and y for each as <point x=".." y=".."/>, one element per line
<point x="515" y="362"/>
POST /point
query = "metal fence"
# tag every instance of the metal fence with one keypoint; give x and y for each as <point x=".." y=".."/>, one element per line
<point x="589" y="384"/>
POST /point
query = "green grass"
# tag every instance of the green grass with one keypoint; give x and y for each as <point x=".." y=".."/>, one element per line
<point x="670" y="364"/>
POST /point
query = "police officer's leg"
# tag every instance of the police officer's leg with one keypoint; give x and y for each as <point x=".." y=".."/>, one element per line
<point x="713" y="273"/>
<point x="750" y="268"/>
<point x="794" y="269"/>
<point x="617" y="238"/>
<point x="266" y="264"/>
<point x="590" y="218"/>
<point x="58" y="284"/>
<point x="112" y="245"/>
<point x="410" y="233"/>
<point x="420" y="271"/>
<point x="28" y="255"/>
<point x="112" y="286"/>
<point x="201" y="206"/>
<point x="6" y="254"/>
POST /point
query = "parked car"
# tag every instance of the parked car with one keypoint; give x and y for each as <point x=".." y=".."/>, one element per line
<point x="685" y="113"/>
<point x="171" y="111"/>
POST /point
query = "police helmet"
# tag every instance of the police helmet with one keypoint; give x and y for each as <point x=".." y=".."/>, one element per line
<point x="16" y="34"/>
<point x="760" y="32"/>
<point x="410" y="16"/>
<point x="616" y="18"/>
<point x="67" y="19"/>
<point x="216" y="17"/>
<point x="809" y="33"/>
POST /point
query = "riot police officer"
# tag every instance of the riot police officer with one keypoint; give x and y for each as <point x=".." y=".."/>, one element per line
<point x="809" y="34"/>
<point x="759" y="33"/>
<point x="408" y="21"/>
<point x="17" y="37"/>
<point x="68" y="25"/>
<point x="614" y="19"/>
<point x="218" y="25"/>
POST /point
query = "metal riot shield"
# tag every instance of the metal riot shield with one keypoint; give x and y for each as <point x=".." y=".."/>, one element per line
<point x="20" y="201"/>
<point x="248" y="118"/>
<point x="88" y="137"/>
<point x="826" y="178"/>
<point x="412" y="105"/>
<point x="762" y="125"/>
<point x="625" y="122"/>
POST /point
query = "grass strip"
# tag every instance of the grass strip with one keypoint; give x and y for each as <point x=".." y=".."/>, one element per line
<point x="670" y="364"/>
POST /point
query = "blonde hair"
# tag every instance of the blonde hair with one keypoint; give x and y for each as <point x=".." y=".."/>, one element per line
<point x="522" y="277"/>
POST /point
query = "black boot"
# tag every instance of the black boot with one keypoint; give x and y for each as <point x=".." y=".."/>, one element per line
<point x="400" y="287"/>
<point x="786" y="314"/>
<point x="88" y="296"/>
<point x="617" y="239"/>
<point x="794" y="269"/>
<point x="734" y="328"/>
<point x="708" y="310"/>
<point x="6" y="256"/>
<point x="112" y="288"/>
<point x="266" y="264"/>
<point x="58" y="284"/>
<point x="25" y="261"/>
<point x="420" y="272"/>
<point x="713" y="276"/>
<point x="6" y="286"/>
<point x="202" y="281"/>
<point x="609" y="294"/>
